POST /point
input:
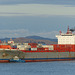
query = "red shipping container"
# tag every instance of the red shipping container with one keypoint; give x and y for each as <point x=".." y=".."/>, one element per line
<point x="40" y="49"/>
<point x="5" y="46"/>
<point x="46" y="48"/>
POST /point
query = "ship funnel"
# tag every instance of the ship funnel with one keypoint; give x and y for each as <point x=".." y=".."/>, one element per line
<point x="72" y="30"/>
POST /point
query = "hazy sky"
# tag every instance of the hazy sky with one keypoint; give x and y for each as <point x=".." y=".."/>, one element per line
<point x="20" y="18"/>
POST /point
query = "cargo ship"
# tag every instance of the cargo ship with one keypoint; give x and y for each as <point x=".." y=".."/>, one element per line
<point x="33" y="52"/>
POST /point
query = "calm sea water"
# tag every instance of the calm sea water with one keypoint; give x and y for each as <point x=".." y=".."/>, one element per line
<point x="38" y="68"/>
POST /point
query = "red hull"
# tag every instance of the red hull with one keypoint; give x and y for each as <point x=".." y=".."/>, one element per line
<point x="4" y="61"/>
<point x="49" y="60"/>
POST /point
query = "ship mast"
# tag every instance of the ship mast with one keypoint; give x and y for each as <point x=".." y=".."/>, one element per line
<point x="68" y="31"/>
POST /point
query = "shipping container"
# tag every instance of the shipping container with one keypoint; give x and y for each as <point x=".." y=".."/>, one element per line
<point x="5" y="47"/>
<point x="34" y="49"/>
<point x="26" y="44"/>
<point x="33" y="46"/>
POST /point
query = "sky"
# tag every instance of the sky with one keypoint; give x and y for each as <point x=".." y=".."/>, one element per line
<point x="45" y="18"/>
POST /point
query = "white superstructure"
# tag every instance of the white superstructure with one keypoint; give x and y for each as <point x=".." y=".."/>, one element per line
<point x="67" y="38"/>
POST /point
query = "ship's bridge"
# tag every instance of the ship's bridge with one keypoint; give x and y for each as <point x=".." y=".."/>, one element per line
<point x="67" y="38"/>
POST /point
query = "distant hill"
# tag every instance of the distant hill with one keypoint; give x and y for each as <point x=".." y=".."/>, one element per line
<point x="40" y="38"/>
<point x="32" y="39"/>
<point x="36" y="39"/>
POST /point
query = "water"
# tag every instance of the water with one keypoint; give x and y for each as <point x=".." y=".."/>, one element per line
<point x="38" y="68"/>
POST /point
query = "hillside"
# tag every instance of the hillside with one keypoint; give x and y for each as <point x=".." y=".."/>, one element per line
<point x="40" y="38"/>
<point x="32" y="39"/>
<point x="36" y="39"/>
